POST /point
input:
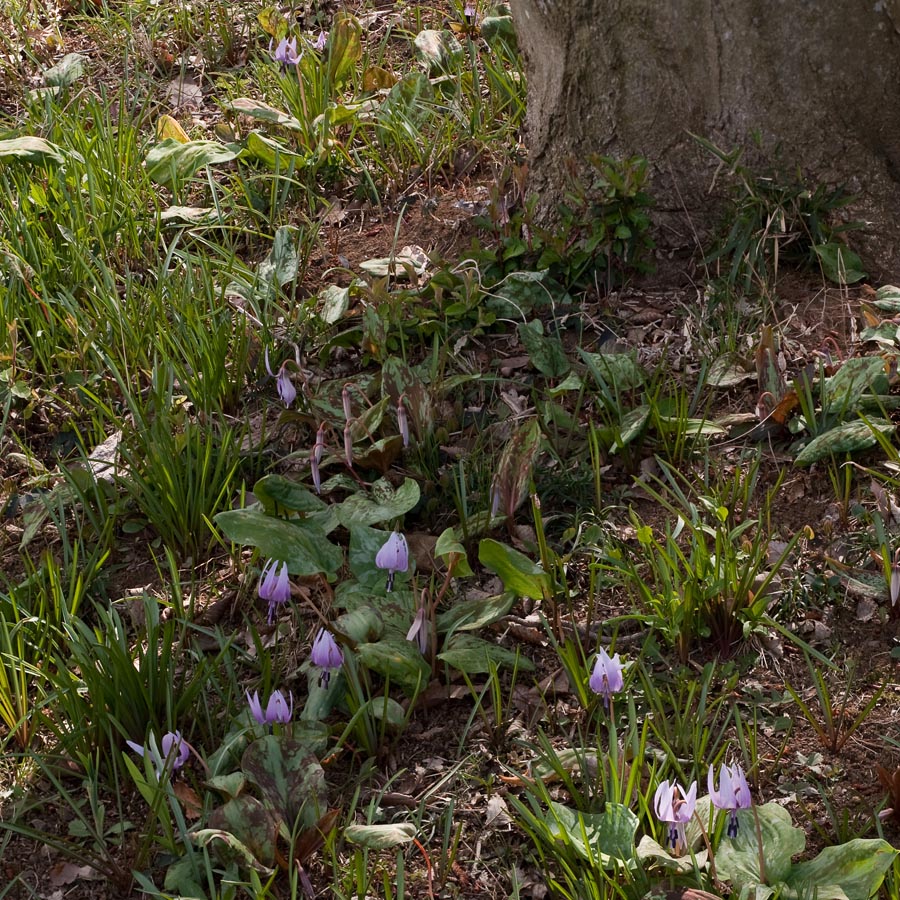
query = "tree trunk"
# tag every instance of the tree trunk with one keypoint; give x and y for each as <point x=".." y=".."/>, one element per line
<point x="820" y="80"/>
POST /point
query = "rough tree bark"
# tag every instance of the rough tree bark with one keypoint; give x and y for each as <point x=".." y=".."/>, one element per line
<point x="622" y="77"/>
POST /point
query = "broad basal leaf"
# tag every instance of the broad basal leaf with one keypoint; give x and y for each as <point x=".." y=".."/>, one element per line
<point x="302" y="545"/>
<point x="172" y="160"/>
<point x="33" y="150"/>
<point x="380" y="837"/>
<point x="256" y="109"/>
<point x="856" y="869"/>
<point x="439" y="51"/>
<point x="397" y="659"/>
<point x="385" y="505"/>
<point x="474" y="656"/>
<point x="607" y="837"/>
<point x="737" y="860"/>
<point x="847" y="438"/>
<point x="517" y="572"/>
<point x="289" y="776"/>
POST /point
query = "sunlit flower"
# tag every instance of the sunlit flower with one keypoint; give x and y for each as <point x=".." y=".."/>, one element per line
<point x="275" y="585"/>
<point x="277" y="710"/>
<point x="733" y="793"/>
<point x="675" y="806"/>
<point x="321" y="41"/>
<point x="286" y="52"/>
<point x="419" y="631"/>
<point x="326" y="654"/>
<point x="469" y="13"/>
<point x="606" y="678"/>
<point x="171" y="753"/>
<point x="393" y="556"/>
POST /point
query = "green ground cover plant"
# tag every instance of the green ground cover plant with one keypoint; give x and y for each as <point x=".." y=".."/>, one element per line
<point x="364" y="536"/>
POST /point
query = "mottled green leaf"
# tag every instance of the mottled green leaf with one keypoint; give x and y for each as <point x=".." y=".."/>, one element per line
<point x="32" y="149"/>
<point x="254" y="827"/>
<point x="380" y="837"/>
<point x="737" y="859"/>
<point x="518" y="573"/>
<point x="302" y="545"/>
<point x="172" y="161"/>
<point x="283" y="261"/>
<point x="396" y="659"/>
<point x="335" y="302"/>
<point x="289" y="776"/>
<point x="847" y="438"/>
<point x="546" y="353"/>
<point x="273" y="153"/>
<point x="385" y="505"/>
<point x="616" y="372"/>
<point x="856" y="869"/>
<point x="839" y="263"/>
<point x="256" y="109"/>
<point x="607" y="836"/>
<point x="470" y="615"/>
<point x="474" y="656"/>
<point x="344" y="48"/>
<point x="67" y="71"/>
<point x="276" y="492"/>
<point x="439" y="51"/>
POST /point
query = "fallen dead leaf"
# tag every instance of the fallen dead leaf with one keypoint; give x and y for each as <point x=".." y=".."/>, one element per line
<point x="193" y="805"/>
<point x="65" y="873"/>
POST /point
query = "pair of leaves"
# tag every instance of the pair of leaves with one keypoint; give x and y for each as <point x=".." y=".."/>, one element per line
<point x="850" y="871"/>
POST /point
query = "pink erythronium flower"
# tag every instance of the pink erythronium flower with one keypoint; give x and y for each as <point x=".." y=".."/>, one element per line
<point x="733" y="793"/>
<point x="326" y="654"/>
<point x="675" y="806"/>
<point x="286" y="52"/>
<point x="171" y="753"/>
<point x="393" y="556"/>
<point x="278" y="708"/>
<point x="606" y="678"/>
<point x="275" y="585"/>
<point x="419" y="631"/>
<point x="286" y="390"/>
<point x="348" y="446"/>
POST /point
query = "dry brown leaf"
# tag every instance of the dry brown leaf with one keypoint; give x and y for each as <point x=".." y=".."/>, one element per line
<point x="193" y="805"/>
<point x="64" y="873"/>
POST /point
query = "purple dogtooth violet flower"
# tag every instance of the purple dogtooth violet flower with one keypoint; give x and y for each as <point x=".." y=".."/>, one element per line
<point x="606" y="678"/>
<point x="286" y="52"/>
<point x="286" y="390"/>
<point x="346" y="403"/>
<point x="495" y="499"/>
<point x="733" y="794"/>
<point x="170" y="754"/>
<point x="403" y="420"/>
<point x="469" y="13"/>
<point x="348" y="446"/>
<point x="675" y="806"/>
<point x="419" y="631"/>
<point x="277" y="710"/>
<point x="321" y="41"/>
<point x="393" y="556"/>
<point x="315" y="458"/>
<point x="275" y="585"/>
<point x="326" y="654"/>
